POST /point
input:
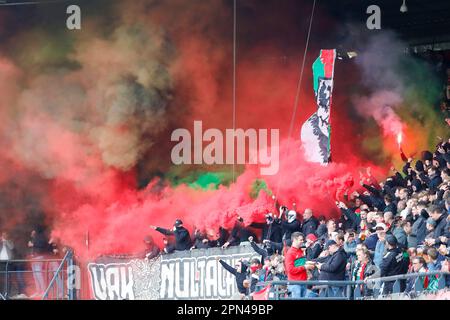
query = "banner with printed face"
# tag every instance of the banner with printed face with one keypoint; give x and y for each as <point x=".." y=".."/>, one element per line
<point x="189" y="275"/>
<point x="316" y="131"/>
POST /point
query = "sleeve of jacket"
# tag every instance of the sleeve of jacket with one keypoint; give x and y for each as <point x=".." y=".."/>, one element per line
<point x="315" y="251"/>
<point x="183" y="236"/>
<point x="351" y="215"/>
<point x="406" y="167"/>
<point x="385" y="264"/>
<point x="165" y="231"/>
<point x="234" y="235"/>
<point x="399" y="179"/>
<point x="259" y="250"/>
<point x="257" y="225"/>
<point x="348" y="249"/>
<point x="372" y="190"/>
<point x="291" y="226"/>
<point x="227" y="267"/>
<point x="333" y="265"/>
<point x="10" y="244"/>
<point x="278" y="247"/>
<point x="425" y="179"/>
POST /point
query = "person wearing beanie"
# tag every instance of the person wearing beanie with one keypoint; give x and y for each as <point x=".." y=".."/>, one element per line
<point x="313" y="247"/>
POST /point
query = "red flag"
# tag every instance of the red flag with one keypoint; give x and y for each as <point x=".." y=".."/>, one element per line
<point x="263" y="294"/>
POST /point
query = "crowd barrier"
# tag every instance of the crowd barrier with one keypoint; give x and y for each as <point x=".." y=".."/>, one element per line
<point x="38" y="278"/>
<point x="187" y="275"/>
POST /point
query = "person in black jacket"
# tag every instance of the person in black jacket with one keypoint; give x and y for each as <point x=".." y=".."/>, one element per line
<point x="433" y="180"/>
<point x="271" y="229"/>
<point x="200" y="240"/>
<point x="334" y="267"/>
<point x="239" y="233"/>
<point x="240" y="272"/>
<point x="290" y="225"/>
<point x="440" y="217"/>
<point x="168" y="247"/>
<point x="182" y="237"/>
<point x="313" y="247"/>
<point x="392" y="263"/>
<point x="310" y="223"/>
<point x="391" y="206"/>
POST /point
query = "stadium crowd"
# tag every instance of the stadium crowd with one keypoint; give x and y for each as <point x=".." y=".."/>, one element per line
<point x="389" y="228"/>
<point x="394" y="227"/>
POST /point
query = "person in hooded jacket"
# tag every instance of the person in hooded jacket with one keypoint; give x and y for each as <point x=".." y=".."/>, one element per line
<point x="240" y="272"/>
<point x="183" y="240"/>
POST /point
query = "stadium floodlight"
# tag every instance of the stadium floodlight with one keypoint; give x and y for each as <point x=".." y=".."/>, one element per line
<point x="404" y="8"/>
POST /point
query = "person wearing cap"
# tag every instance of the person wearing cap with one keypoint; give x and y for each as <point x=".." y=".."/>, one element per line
<point x="392" y="263"/>
<point x="183" y="240"/>
<point x="380" y="248"/>
<point x="313" y="247"/>
<point x="334" y="267"/>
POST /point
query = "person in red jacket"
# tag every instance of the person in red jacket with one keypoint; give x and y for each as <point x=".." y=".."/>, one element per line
<point x="295" y="265"/>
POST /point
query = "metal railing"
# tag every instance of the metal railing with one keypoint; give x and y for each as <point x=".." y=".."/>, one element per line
<point x="36" y="278"/>
<point x="57" y="277"/>
<point x="370" y="288"/>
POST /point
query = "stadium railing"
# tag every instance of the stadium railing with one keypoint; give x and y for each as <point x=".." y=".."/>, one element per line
<point x="371" y="288"/>
<point x="54" y="275"/>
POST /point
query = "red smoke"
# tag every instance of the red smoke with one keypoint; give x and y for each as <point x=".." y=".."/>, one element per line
<point x="91" y="186"/>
